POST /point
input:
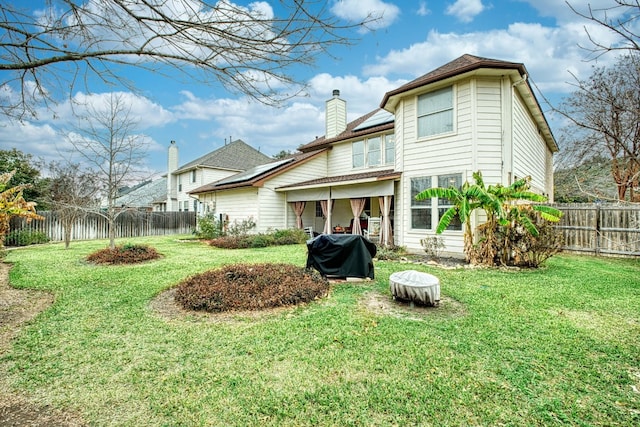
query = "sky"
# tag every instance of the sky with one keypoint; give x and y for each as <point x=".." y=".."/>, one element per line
<point x="411" y="39"/>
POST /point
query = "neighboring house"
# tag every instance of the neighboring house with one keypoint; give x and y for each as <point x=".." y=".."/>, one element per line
<point x="143" y="196"/>
<point x="435" y="131"/>
<point x="225" y="161"/>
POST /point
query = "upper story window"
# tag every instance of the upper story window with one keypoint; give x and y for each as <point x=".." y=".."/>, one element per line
<point x="435" y="112"/>
<point x="389" y="149"/>
<point x="374" y="156"/>
<point x="372" y="152"/>
<point x="193" y="176"/>
<point x="357" y="154"/>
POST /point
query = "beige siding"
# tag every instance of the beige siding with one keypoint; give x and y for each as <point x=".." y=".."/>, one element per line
<point x="203" y="177"/>
<point x="529" y="148"/>
<point x="238" y="205"/>
<point x="275" y="212"/>
<point x="339" y="162"/>
<point x="489" y="113"/>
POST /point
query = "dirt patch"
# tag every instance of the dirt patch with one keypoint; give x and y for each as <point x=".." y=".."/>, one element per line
<point x="385" y="305"/>
<point x="165" y="306"/>
<point x="18" y="307"/>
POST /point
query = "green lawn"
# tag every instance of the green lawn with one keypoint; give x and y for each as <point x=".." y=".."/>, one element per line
<point x="556" y="346"/>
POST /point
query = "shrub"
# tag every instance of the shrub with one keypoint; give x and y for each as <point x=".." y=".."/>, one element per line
<point x="433" y="246"/>
<point x="390" y="253"/>
<point x="260" y="240"/>
<point x="209" y="227"/>
<point x="290" y="236"/>
<point x="250" y="287"/>
<point x="513" y="245"/>
<point x="241" y="228"/>
<point x="26" y="237"/>
<point x="126" y="254"/>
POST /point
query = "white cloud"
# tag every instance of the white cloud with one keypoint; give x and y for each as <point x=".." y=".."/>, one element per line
<point x="549" y="53"/>
<point x="465" y="10"/>
<point x="384" y="14"/>
<point x="423" y="10"/>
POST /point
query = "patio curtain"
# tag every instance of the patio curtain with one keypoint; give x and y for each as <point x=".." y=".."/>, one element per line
<point x="386" y="231"/>
<point x="298" y="208"/>
<point x="327" y="207"/>
<point x="357" y="205"/>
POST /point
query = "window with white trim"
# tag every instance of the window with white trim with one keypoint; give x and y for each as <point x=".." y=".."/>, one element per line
<point x="373" y="152"/>
<point x="193" y="176"/>
<point x="357" y="154"/>
<point x="446" y="181"/>
<point x="435" y="112"/>
<point x="425" y="214"/>
<point x="420" y="209"/>
<point x="389" y="149"/>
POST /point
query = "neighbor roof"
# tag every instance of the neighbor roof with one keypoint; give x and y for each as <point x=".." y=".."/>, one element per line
<point x="236" y="155"/>
<point x="255" y="176"/>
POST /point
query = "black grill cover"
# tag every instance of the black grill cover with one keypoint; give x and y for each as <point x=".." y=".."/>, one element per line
<point x="341" y="255"/>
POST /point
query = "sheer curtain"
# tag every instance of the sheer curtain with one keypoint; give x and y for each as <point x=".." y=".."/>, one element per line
<point x="386" y="231"/>
<point x="357" y="205"/>
<point x="298" y="208"/>
<point x="326" y="206"/>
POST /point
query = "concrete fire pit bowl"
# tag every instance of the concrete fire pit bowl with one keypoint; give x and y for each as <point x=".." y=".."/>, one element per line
<point x="415" y="286"/>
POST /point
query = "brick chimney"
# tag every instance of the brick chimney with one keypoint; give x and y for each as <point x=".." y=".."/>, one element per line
<point x="335" y="115"/>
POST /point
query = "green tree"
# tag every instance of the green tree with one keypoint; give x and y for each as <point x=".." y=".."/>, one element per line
<point x="26" y="171"/>
<point x="12" y="204"/>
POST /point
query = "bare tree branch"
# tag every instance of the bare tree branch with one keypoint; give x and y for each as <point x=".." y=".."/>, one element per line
<point x="249" y="50"/>
<point x="623" y="19"/>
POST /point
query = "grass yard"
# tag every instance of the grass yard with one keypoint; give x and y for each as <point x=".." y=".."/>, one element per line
<point x="556" y="346"/>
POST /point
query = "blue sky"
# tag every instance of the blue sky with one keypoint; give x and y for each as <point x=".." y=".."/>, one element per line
<point x="411" y="39"/>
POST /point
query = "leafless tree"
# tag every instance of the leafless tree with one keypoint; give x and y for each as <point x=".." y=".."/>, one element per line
<point x="247" y="49"/>
<point x="622" y="18"/>
<point x="605" y="108"/>
<point x="72" y="193"/>
<point x="107" y="140"/>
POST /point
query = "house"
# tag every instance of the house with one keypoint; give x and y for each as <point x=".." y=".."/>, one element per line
<point x="230" y="159"/>
<point x="470" y="114"/>
<point x="143" y="195"/>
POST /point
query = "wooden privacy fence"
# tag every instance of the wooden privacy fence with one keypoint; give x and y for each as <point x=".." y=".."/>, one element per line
<point x="127" y="224"/>
<point x="601" y="229"/>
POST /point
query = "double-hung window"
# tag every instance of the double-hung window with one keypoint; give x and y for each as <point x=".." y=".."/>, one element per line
<point x="373" y="152"/>
<point x="446" y="181"/>
<point x="357" y="154"/>
<point x="420" y="209"/>
<point x="435" y="112"/>
<point x="389" y="149"/>
<point x="193" y="176"/>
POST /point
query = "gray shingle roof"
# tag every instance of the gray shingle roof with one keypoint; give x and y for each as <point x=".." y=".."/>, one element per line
<point x="236" y="155"/>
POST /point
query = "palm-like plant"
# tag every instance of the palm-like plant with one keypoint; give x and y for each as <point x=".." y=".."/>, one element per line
<point x="498" y="201"/>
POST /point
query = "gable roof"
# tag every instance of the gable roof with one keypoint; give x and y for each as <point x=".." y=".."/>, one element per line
<point x="356" y="128"/>
<point x="458" y="66"/>
<point x="468" y="64"/>
<point x="254" y="177"/>
<point x="144" y="194"/>
<point x="236" y="155"/>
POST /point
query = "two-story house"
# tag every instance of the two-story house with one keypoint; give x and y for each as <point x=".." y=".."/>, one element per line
<point x="228" y="160"/>
<point x="470" y="114"/>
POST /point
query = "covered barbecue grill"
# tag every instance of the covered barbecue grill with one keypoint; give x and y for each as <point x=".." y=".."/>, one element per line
<point x="341" y="255"/>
